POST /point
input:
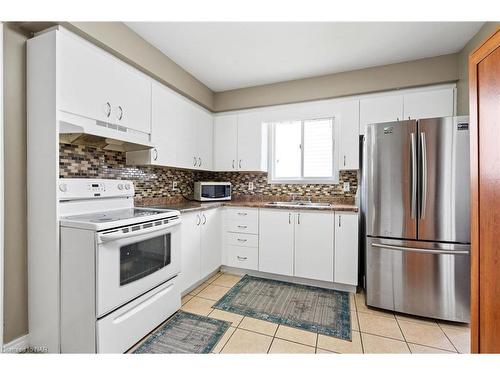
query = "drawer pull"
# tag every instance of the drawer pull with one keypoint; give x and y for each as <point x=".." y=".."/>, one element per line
<point x="242" y="213"/>
<point x="241" y="258"/>
<point x="242" y="226"/>
<point x="242" y="240"/>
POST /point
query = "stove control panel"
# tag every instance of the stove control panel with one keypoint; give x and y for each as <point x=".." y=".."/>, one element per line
<point x="87" y="188"/>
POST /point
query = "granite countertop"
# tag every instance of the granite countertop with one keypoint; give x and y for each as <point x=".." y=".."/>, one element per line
<point x="190" y="206"/>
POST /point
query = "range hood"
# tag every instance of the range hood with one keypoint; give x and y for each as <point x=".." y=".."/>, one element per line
<point x="80" y="130"/>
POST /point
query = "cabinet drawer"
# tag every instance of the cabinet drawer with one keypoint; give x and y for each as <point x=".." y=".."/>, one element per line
<point x="242" y="226"/>
<point x="121" y="329"/>
<point x="243" y="214"/>
<point x="243" y="257"/>
<point x="242" y="239"/>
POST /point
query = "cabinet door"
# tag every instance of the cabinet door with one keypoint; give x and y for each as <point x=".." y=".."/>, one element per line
<point x="349" y="135"/>
<point x="276" y="230"/>
<point x="85" y="78"/>
<point x="225" y="143"/>
<point x="186" y="136"/>
<point x="131" y="98"/>
<point x="164" y="126"/>
<point x="314" y="245"/>
<point x="191" y="250"/>
<point x="252" y="143"/>
<point x="211" y="241"/>
<point x="380" y="109"/>
<point x="429" y="104"/>
<point x="346" y="248"/>
<point x="205" y="128"/>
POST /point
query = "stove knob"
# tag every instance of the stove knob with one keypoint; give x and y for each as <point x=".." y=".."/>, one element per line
<point x="120" y="186"/>
<point x="127" y="186"/>
<point x="63" y="188"/>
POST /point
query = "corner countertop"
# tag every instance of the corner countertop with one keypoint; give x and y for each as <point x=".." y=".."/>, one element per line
<point x="186" y="206"/>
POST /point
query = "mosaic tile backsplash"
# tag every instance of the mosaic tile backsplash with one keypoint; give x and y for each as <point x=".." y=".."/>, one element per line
<point x="156" y="182"/>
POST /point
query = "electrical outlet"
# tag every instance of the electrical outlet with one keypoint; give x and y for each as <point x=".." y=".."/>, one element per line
<point x="250" y="186"/>
<point x="346" y="186"/>
<point x="174" y="186"/>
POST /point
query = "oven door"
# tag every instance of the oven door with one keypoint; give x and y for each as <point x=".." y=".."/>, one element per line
<point x="132" y="262"/>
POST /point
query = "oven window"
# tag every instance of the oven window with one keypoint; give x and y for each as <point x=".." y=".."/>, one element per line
<point x="214" y="191"/>
<point x="140" y="259"/>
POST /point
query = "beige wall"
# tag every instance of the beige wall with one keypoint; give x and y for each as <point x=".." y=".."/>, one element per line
<point x="421" y="72"/>
<point x="15" y="286"/>
<point x="463" y="65"/>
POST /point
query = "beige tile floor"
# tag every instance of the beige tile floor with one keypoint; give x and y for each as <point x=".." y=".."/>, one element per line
<point x="373" y="331"/>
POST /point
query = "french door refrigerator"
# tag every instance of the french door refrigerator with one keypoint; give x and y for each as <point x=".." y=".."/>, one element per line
<point x="415" y="201"/>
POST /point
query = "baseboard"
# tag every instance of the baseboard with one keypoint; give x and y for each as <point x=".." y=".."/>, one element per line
<point x="18" y="345"/>
<point x="291" y="279"/>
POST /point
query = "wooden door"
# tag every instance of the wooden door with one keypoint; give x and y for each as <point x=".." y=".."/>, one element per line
<point x="346" y="248"/>
<point x="211" y="241"/>
<point x="225" y="143"/>
<point x="484" y="87"/>
<point x="190" y="250"/>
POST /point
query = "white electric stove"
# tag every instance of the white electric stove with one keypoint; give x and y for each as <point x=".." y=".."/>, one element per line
<point x="119" y="266"/>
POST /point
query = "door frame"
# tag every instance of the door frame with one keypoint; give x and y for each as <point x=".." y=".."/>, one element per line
<point x="475" y="58"/>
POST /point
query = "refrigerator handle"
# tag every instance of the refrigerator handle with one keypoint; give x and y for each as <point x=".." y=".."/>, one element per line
<point x="423" y="201"/>
<point x="413" y="152"/>
<point x="419" y="250"/>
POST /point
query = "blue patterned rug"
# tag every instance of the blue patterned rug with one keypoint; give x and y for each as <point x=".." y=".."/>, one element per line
<point x="185" y="333"/>
<point x="306" y="307"/>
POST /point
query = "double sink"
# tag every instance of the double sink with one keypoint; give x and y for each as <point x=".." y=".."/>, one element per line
<point x="299" y="204"/>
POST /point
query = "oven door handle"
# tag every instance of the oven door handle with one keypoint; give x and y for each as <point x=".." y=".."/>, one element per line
<point x="118" y="234"/>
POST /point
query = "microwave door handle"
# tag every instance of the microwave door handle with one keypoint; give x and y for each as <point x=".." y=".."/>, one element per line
<point x="118" y="235"/>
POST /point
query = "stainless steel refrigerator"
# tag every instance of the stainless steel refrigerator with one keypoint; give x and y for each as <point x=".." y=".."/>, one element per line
<point x="416" y="209"/>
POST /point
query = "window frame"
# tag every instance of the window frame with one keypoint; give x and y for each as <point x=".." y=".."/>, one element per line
<point x="272" y="179"/>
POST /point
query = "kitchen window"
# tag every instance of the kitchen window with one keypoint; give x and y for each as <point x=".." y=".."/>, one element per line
<point x="302" y="152"/>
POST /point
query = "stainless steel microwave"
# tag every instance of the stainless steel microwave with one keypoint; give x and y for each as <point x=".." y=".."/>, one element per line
<point x="212" y="191"/>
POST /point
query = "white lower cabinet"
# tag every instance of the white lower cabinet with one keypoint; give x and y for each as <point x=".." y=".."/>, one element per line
<point x="314" y="245"/>
<point x="211" y="244"/>
<point x="201" y="246"/>
<point x="346" y="248"/>
<point x="276" y="230"/>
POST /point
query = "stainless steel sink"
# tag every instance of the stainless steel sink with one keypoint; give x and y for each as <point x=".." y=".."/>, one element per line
<point x="299" y="204"/>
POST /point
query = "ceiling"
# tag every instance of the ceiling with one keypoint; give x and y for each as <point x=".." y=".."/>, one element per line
<point x="231" y="55"/>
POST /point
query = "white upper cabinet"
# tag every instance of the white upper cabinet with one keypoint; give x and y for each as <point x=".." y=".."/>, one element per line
<point x="314" y="245"/>
<point x="349" y="135"/>
<point x="346" y="248"/>
<point x="95" y="85"/>
<point x="252" y="142"/>
<point x="225" y="143"/>
<point x="187" y="155"/>
<point x="380" y="109"/>
<point x="204" y="140"/>
<point x="164" y="119"/>
<point x="240" y="143"/>
<point x="428" y="104"/>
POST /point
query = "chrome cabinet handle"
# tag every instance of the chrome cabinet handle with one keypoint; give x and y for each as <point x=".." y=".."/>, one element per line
<point x="242" y="240"/>
<point x="204" y="219"/>
<point x="344" y="160"/>
<point x="242" y="226"/>
<point x="241" y="258"/>
<point x="107" y="111"/>
<point x="239" y="164"/>
<point x="242" y="213"/>
<point x="413" y="154"/>
<point x="298" y="218"/>
<point x="120" y="115"/>
<point x="340" y="221"/>
<point x="155" y="154"/>
<point x="199" y="220"/>
<point x="233" y="163"/>
<point x="289" y="218"/>
<point x="195" y="161"/>
<point x="199" y="162"/>
<point x="424" y="175"/>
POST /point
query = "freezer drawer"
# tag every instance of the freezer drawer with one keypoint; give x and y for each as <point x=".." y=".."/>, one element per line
<point x="419" y="278"/>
